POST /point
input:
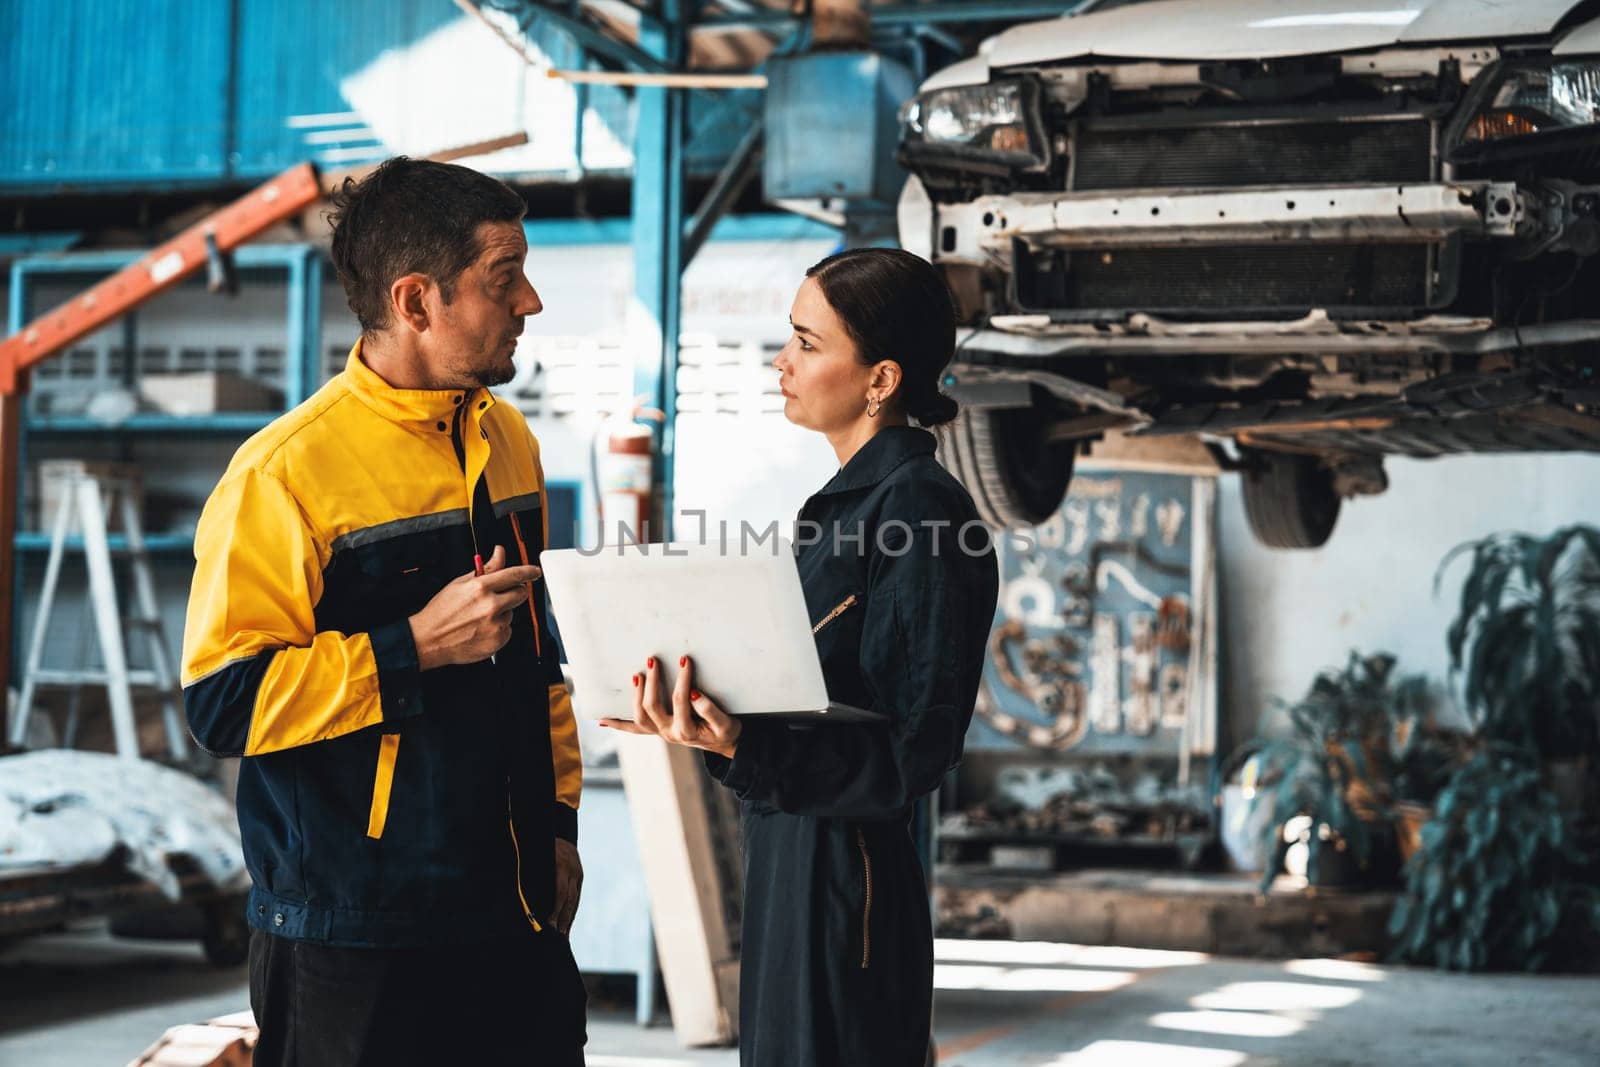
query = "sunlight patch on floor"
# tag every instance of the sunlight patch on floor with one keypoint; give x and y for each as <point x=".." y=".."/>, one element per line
<point x="1277" y="996"/>
<point x="1049" y="953"/>
<point x="1230" y="1023"/>
<point x="1027" y="979"/>
<point x="1148" y="1054"/>
<point x="1336" y="970"/>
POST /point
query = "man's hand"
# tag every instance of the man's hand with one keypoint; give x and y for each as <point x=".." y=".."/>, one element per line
<point x="569" y="885"/>
<point x="690" y="718"/>
<point x="469" y="620"/>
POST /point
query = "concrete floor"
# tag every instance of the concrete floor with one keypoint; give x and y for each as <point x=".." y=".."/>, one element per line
<point x="81" y="999"/>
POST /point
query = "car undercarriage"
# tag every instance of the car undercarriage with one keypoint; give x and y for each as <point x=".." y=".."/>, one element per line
<point x="1308" y="262"/>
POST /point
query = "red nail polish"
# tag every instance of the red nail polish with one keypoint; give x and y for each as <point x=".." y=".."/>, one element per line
<point x="683" y="661"/>
<point x="694" y="694"/>
<point x="636" y="680"/>
<point x="651" y="663"/>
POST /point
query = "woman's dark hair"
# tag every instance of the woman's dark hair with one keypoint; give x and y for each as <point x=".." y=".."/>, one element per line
<point x="411" y="216"/>
<point x="896" y="306"/>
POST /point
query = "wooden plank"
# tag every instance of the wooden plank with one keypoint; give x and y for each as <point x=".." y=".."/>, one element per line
<point x="687" y="829"/>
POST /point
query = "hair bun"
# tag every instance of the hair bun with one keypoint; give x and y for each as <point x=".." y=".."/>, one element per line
<point x="936" y="410"/>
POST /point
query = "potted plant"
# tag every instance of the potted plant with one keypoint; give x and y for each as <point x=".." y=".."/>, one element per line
<point x="1336" y="768"/>
<point x="1504" y="875"/>
<point x="1423" y="754"/>
<point x="1525" y="649"/>
<point x="1501" y="878"/>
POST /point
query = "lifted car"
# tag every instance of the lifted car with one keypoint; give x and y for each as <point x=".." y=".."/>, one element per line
<point x="1308" y="235"/>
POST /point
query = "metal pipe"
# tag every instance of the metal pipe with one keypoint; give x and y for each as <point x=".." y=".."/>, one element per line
<point x="666" y="81"/>
<point x="730" y="182"/>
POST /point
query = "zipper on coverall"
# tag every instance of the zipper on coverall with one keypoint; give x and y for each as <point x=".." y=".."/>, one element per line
<point x="461" y="460"/>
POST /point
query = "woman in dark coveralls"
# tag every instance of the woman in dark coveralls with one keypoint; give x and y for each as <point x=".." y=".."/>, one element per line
<point x="901" y="581"/>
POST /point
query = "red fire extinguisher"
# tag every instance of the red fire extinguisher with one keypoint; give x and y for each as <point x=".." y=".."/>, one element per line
<point x="625" y="478"/>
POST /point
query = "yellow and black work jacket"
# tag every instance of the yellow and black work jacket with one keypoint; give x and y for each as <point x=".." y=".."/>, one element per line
<point x="380" y="805"/>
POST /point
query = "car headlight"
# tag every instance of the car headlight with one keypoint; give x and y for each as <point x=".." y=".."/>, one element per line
<point x="1529" y="100"/>
<point x="994" y="121"/>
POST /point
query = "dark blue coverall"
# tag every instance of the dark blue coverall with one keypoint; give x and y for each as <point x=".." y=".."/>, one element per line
<point x="837" y="939"/>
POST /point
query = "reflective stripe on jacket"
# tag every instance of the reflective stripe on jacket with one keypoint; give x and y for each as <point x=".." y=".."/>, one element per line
<point x="379" y="804"/>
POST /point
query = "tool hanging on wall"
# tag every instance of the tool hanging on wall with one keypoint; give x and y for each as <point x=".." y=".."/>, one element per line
<point x="1105" y="672"/>
<point x="1051" y="679"/>
<point x="1139" y="712"/>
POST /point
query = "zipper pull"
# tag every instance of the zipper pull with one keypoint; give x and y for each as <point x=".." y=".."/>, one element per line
<point x="843" y="606"/>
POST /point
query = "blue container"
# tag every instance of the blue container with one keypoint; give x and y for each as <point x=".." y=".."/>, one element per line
<point x="103" y="92"/>
<point x="833" y="126"/>
<point x="151" y="95"/>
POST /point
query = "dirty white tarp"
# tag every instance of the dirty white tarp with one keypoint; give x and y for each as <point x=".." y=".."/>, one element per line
<point x="61" y="808"/>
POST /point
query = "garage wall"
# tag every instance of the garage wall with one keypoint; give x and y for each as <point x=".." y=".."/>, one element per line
<point x="1285" y="615"/>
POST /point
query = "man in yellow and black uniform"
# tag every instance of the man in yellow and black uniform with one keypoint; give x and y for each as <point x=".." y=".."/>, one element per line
<point x="367" y="629"/>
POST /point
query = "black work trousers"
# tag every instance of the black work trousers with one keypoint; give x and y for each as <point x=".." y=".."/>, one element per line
<point x="518" y="1000"/>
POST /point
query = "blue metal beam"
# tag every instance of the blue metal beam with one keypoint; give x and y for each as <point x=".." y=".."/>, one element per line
<point x="768" y="226"/>
<point x="659" y="140"/>
<point x="730" y="182"/>
<point x="108" y="260"/>
<point x="22" y="244"/>
<point x="295" y="378"/>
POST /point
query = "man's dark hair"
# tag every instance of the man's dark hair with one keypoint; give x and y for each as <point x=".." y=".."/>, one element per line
<point x="411" y="216"/>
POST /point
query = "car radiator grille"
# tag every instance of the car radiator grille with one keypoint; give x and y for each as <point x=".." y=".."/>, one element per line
<point x="1262" y="277"/>
<point x="1396" y="150"/>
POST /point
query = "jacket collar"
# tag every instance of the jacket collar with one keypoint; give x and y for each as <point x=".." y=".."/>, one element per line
<point x="873" y="461"/>
<point x="422" y="409"/>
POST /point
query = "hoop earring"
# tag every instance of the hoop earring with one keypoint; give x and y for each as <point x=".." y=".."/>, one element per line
<point x="873" y="404"/>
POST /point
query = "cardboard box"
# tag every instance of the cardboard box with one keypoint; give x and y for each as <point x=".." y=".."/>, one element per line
<point x="208" y="393"/>
<point x="228" y="1041"/>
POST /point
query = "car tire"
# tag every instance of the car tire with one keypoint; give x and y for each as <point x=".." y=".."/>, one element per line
<point x="1289" y="499"/>
<point x="1016" y="476"/>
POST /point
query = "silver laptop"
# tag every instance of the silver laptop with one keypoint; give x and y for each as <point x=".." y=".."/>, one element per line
<point x="742" y="617"/>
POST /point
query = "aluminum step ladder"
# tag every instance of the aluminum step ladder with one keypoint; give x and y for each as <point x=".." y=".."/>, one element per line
<point x="86" y="500"/>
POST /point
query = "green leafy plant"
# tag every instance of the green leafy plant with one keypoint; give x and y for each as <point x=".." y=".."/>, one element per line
<point x="1525" y="643"/>
<point x="1503" y="877"/>
<point x="1424" y="755"/>
<point x="1497" y="880"/>
<point x="1337" y="764"/>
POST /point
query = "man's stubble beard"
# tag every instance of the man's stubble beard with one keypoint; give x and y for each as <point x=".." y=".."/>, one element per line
<point x="495" y="375"/>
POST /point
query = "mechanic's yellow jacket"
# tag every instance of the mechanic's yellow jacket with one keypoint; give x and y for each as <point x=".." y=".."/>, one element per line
<point x="380" y="805"/>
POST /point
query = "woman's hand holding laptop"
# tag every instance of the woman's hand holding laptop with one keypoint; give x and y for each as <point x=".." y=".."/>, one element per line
<point x="685" y="717"/>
